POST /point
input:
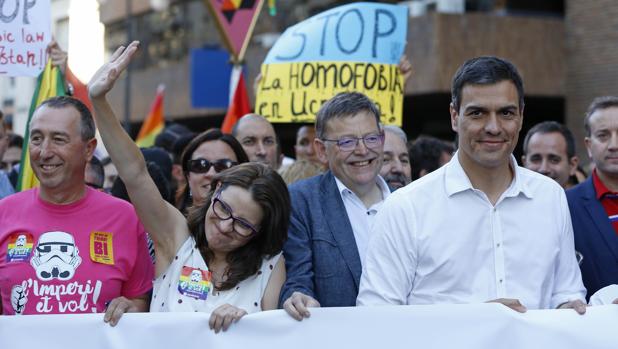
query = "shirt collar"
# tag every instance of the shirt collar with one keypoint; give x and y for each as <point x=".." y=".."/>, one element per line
<point x="456" y="179"/>
<point x="599" y="187"/>
<point x="343" y="190"/>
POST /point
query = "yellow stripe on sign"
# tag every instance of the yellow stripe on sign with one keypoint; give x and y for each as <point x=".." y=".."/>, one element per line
<point x="294" y="92"/>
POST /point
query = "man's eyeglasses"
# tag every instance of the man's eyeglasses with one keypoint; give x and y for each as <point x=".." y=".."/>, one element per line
<point x="371" y="141"/>
<point x="224" y="212"/>
<point x="203" y="165"/>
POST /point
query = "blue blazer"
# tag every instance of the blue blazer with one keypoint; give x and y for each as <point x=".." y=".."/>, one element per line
<point x="595" y="237"/>
<point x="321" y="257"/>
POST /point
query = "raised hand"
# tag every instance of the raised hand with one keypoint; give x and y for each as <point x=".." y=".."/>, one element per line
<point x="58" y="57"/>
<point x="104" y="79"/>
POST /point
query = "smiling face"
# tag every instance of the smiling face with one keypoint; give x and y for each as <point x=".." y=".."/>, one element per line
<point x="220" y="233"/>
<point x="602" y="144"/>
<point x="359" y="167"/>
<point x="487" y="123"/>
<point x="211" y="151"/>
<point x="58" y="155"/>
<point x="547" y="154"/>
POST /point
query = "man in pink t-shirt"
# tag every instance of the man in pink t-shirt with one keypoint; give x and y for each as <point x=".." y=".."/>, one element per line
<point x="66" y="248"/>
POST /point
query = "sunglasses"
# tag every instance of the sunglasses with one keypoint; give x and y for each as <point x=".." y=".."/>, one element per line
<point x="203" y="165"/>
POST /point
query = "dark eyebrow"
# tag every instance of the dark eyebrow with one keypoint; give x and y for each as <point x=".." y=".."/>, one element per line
<point x="474" y="108"/>
<point x="508" y="108"/>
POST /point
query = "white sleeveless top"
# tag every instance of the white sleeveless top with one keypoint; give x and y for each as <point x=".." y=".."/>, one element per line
<point x="186" y="286"/>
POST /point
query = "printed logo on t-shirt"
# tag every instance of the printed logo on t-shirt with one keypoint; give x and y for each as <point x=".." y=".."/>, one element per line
<point x="194" y="282"/>
<point x="56" y="256"/>
<point x="101" y="247"/>
<point x="19" y="247"/>
<point x="55" y="260"/>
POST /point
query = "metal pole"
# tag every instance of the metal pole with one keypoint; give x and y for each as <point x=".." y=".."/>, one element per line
<point x="127" y="80"/>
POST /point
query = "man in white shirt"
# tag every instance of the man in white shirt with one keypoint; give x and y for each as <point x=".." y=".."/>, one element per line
<point x="480" y="228"/>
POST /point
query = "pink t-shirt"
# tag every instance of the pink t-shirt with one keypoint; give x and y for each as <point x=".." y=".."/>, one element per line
<point x="58" y="259"/>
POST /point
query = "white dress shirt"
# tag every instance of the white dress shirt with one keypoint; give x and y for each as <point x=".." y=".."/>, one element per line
<point x="361" y="217"/>
<point x="439" y="240"/>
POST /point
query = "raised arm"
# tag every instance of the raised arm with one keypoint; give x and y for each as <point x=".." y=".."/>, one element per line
<point x="165" y="224"/>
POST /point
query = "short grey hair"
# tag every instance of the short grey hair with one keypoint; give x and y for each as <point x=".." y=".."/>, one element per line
<point x="397" y="131"/>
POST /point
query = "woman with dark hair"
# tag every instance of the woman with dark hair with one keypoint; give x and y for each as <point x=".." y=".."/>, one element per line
<point x="226" y="258"/>
<point x="207" y="154"/>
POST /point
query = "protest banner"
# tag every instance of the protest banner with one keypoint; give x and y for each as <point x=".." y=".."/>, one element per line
<point x="355" y="47"/>
<point x="479" y="326"/>
<point x="25" y="31"/>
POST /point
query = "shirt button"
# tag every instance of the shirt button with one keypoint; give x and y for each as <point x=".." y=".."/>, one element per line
<point x="500" y="280"/>
<point x="498" y="245"/>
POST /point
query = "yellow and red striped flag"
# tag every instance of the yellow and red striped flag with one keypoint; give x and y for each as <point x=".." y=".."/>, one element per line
<point x="49" y="84"/>
<point x="154" y="122"/>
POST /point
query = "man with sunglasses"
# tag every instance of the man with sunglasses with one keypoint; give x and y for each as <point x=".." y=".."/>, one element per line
<point x="332" y="212"/>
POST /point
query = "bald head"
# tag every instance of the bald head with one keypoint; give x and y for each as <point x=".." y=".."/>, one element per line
<point x="258" y="139"/>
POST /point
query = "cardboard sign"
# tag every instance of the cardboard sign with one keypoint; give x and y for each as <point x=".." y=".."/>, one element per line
<point x="25" y="31"/>
<point x="235" y="20"/>
<point x="355" y="47"/>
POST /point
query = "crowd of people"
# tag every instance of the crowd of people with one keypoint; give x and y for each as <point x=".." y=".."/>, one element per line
<point x="216" y="223"/>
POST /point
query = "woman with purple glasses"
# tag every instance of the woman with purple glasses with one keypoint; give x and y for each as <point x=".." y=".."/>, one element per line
<point x="225" y="257"/>
<point x="207" y="154"/>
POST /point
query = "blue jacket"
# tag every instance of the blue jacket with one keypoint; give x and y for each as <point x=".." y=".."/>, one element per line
<point x="595" y="237"/>
<point x="321" y="257"/>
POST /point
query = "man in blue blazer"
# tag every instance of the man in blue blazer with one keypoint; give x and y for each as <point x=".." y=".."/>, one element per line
<point x="332" y="213"/>
<point x="594" y="203"/>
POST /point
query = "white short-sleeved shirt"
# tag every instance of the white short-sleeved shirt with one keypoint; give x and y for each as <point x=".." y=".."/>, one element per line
<point x="439" y="240"/>
<point x="185" y="285"/>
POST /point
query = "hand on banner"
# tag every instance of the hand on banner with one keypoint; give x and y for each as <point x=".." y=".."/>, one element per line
<point x="58" y="57"/>
<point x="296" y="306"/>
<point x="405" y="67"/>
<point x="222" y="317"/>
<point x="121" y="305"/>
<point x="104" y="79"/>
<point x="578" y="305"/>
<point x="511" y="303"/>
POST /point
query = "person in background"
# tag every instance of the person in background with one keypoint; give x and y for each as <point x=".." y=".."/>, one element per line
<point x="259" y="140"/>
<point x="396" y="169"/>
<point x="427" y="154"/>
<point x="95" y="175"/>
<point x="12" y="155"/>
<point x="300" y="169"/>
<point x="303" y="148"/>
<point x="549" y="149"/>
<point x="207" y="154"/>
<point x="6" y="188"/>
<point x="594" y="203"/>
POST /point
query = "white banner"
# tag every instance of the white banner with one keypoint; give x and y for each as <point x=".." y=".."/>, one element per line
<point x="25" y="31"/>
<point x="434" y="326"/>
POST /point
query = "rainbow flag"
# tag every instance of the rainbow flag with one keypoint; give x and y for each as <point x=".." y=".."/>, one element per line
<point x="154" y="122"/>
<point x="49" y="84"/>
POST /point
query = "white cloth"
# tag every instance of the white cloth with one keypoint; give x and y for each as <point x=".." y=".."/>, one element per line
<point x="361" y="217"/>
<point x="606" y="295"/>
<point x="246" y="295"/>
<point x="439" y="240"/>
